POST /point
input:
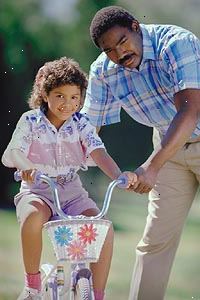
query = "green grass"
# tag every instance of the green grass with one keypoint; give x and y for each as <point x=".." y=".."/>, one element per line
<point x="128" y="213"/>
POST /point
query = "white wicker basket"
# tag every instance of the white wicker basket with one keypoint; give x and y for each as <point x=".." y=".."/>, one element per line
<point x="77" y="240"/>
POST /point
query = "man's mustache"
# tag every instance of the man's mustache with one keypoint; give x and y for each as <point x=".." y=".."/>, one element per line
<point x="123" y="59"/>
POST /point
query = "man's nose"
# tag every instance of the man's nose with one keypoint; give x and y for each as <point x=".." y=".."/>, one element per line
<point x="120" y="52"/>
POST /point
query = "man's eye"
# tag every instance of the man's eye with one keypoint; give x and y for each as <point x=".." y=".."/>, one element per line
<point x="123" y="41"/>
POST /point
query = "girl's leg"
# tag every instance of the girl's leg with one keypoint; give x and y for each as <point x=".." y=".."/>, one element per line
<point x="32" y="215"/>
<point x="100" y="270"/>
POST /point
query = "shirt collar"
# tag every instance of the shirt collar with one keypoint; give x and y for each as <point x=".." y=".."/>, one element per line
<point x="41" y="115"/>
<point x="148" y="50"/>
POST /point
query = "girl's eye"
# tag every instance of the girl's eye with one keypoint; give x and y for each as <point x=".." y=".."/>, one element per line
<point x="74" y="98"/>
<point x="60" y="96"/>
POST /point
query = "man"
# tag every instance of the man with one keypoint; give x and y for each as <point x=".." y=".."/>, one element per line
<point x="153" y="72"/>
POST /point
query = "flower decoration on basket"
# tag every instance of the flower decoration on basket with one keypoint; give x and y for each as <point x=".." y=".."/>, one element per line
<point x="87" y="233"/>
<point x="76" y="250"/>
<point x="63" y="235"/>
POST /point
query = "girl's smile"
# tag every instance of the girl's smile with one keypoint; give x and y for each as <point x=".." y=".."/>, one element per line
<point x="62" y="103"/>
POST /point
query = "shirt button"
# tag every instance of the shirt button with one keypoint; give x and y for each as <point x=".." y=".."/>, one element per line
<point x="181" y="83"/>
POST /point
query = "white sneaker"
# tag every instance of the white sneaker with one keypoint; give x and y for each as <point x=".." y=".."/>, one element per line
<point x="30" y="294"/>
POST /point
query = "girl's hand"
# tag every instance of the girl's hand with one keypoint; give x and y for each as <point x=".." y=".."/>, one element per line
<point x="132" y="179"/>
<point x="28" y="175"/>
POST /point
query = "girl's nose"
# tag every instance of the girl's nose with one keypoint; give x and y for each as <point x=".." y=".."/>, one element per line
<point x="66" y="107"/>
<point x="65" y="102"/>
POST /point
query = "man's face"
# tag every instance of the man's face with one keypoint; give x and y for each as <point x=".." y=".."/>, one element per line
<point x="122" y="45"/>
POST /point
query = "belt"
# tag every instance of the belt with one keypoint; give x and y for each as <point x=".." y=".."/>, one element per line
<point x="62" y="179"/>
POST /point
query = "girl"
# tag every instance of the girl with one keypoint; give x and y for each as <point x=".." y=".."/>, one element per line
<point x="57" y="140"/>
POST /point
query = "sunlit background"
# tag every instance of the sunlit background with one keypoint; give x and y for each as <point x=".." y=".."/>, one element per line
<point x="35" y="31"/>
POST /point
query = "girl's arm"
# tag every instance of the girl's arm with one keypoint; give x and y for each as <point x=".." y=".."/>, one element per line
<point x="20" y="161"/>
<point x="105" y="162"/>
<point x="95" y="148"/>
<point x="15" y="155"/>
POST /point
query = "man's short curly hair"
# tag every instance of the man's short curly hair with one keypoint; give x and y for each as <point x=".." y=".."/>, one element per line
<point x="107" y="18"/>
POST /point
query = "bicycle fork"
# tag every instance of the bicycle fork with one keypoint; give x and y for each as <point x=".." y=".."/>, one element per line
<point x="79" y="272"/>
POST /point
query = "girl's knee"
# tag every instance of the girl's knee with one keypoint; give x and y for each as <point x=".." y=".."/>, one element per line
<point x="35" y="216"/>
<point x="31" y="223"/>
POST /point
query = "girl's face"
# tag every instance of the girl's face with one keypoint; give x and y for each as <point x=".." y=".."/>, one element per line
<point x="62" y="102"/>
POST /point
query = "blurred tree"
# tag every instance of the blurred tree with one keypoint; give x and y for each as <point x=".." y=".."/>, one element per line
<point x="28" y="38"/>
<point x="135" y="140"/>
<point x="80" y="44"/>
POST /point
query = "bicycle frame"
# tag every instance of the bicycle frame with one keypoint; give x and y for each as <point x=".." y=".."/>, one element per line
<point x="54" y="275"/>
<point x="76" y="268"/>
<point x="58" y="209"/>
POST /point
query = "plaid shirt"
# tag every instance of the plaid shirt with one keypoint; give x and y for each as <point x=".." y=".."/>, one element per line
<point x="170" y="63"/>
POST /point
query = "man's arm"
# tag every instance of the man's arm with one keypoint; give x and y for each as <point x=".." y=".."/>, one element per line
<point x="187" y="103"/>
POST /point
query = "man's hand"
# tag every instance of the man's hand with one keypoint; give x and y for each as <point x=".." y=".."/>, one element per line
<point x="28" y="175"/>
<point x="180" y="130"/>
<point x="146" y="179"/>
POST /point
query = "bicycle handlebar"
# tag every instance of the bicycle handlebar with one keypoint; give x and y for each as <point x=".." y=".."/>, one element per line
<point x="121" y="182"/>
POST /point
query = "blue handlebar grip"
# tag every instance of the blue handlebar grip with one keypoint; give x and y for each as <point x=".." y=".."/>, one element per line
<point x="37" y="179"/>
<point x="17" y="176"/>
<point x="123" y="181"/>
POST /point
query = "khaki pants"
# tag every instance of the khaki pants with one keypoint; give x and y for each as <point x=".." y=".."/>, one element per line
<point x="169" y="204"/>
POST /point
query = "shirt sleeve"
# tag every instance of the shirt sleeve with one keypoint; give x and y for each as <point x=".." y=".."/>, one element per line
<point x="183" y="59"/>
<point x="88" y="136"/>
<point x="100" y="105"/>
<point x="21" y="140"/>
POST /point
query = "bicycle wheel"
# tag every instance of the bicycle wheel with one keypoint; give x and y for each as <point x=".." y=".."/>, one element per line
<point x="83" y="289"/>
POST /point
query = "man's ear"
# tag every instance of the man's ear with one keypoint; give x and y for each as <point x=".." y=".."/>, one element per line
<point x="135" y="26"/>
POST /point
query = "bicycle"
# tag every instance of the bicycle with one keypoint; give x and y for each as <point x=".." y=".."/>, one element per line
<point x="76" y="239"/>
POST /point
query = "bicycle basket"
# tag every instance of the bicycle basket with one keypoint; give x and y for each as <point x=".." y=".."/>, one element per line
<point x="77" y="240"/>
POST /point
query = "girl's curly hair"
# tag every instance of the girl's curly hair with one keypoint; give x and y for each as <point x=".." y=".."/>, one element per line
<point x="54" y="74"/>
